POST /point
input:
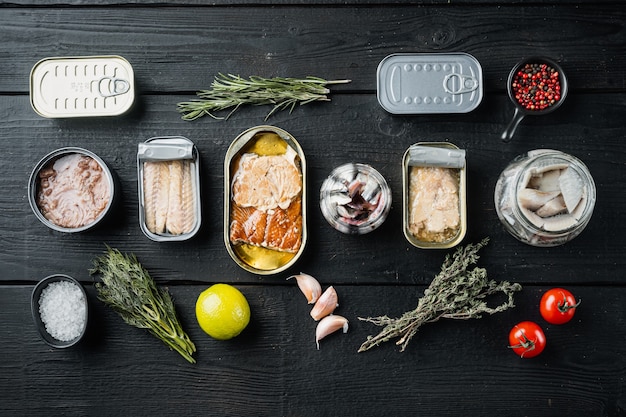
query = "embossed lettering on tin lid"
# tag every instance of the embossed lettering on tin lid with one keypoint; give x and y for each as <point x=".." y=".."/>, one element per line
<point x="429" y="83"/>
<point x="82" y="86"/>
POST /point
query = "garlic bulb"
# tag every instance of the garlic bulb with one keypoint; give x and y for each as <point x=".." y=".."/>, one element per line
<point x="309" y="286"/>
<point x="328" y="325"/>
<point x="325" y="305"/>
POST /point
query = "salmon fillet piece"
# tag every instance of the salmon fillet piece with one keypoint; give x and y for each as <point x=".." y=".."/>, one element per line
<point x="277" y="229"/>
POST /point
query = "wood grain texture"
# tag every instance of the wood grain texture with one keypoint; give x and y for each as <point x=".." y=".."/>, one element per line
<point x="451" y="368"/>
<point x="274" y="368"/>
<point x="181" y="49"/>
<point x="351" y="128"/>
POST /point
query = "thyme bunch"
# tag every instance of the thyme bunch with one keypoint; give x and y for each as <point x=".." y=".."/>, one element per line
<point x="232" y="91"/>
<point x="128" y="289"/>
<point x="455" y="293"/>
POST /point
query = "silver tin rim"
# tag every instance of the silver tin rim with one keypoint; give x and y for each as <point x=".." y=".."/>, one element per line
<point x="235" y="147"/>
<point x="384" y="62"/>
<point x="32" y="188"/>
<point x="405" y="203"/>
<point x="196" y="174"/>
<point x="34" y="91"/>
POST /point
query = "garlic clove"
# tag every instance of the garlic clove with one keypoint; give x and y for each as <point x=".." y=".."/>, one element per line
<point x="309" y="286"/>
<point x="328" y="325"/>
<point x="325" y="305"/>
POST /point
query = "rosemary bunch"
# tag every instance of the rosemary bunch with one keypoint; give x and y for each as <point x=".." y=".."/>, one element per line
<point x="455" y="293"/>
<point x="130" y="291"/>
<point x="233" y="91"/>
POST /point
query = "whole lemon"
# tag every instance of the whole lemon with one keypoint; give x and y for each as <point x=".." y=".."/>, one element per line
<point x="222" y="311"/>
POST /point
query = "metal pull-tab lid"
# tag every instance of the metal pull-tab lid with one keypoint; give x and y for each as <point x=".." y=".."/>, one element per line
<point x="165" y="150"/>
<point x="459" y="84"/>
<point x="110" y="86"/>
<point x="436" y="157"/>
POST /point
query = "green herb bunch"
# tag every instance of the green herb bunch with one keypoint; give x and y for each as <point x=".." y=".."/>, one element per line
<point x="232" y="91"/>
<point x="128" y="289"/>
<point x="455" y="293"/>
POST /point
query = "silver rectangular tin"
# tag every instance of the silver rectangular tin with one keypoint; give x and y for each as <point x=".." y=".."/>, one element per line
<point x="452" y="162"/>
<point x="429" y="83"/>
<point x="168" y="148"/>
<point x="237" y="148"/>
<point x="82" y="86"/>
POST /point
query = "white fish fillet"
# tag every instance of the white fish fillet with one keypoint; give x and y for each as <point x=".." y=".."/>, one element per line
<point x="169" y="197"/>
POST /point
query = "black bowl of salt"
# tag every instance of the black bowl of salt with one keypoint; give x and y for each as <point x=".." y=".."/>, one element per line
<point x="60" y="310"/>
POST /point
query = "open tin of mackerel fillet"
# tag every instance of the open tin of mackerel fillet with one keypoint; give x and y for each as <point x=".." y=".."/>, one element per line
<point x="265" y="200"/>
<point x="168" y="172"/>
<point x="434" y="195"/>
<point x="86" y="86"/>
<point x="429" y="83"/>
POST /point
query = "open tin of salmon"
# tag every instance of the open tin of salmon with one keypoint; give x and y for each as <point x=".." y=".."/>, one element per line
<point x="265" y="200"/>
<point x="168" y="172"/>
<point x="88" y="86"/>
<point x="434" y="195"/>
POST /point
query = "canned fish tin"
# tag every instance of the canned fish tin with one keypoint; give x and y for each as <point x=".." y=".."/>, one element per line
<point x="71" y="190"/>
<point x="429" y="83"/>
<point x="434" y="195"/>
<point x="168" y="173"/>
<point x="265" y="200"/>
<point x="82" y="86"/>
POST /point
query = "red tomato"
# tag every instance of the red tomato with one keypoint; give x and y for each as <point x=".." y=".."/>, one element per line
<point x="527" y="339"/>
<point x="558" y="306"/>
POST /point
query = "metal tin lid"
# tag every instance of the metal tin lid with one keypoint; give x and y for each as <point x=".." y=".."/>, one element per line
<point x="82" y="86"/>
<point x="429" y="83"/>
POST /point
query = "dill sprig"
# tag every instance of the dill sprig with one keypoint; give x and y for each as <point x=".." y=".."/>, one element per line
<point x="232" y="91"/>
<point x="455" y="293"/>
<point x="128" y="289"/>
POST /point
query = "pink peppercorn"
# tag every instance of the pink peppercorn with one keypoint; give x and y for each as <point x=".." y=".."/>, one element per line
<point x="536" y="86"/>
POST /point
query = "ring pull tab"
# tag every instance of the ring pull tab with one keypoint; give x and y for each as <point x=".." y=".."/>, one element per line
<point x="459" y="84"/>
<point x="110" y="86"/>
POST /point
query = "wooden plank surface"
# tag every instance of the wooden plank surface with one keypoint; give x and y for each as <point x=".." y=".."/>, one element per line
<point x="273" y="368"/>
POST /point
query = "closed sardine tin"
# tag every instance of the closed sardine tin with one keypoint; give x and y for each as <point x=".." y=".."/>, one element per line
<point x="168" y="173"/>
<point x="265" y="222"/>
<point x="429" y="83"/>
<point x="428" y="175"/>
<point x="87" y="86"/>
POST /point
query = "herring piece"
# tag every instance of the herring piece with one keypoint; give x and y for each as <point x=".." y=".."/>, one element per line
<point x="328" y="325"/>
<point x="546" y="181"/>
<point x="572" y="188"/>
<point x="533" y="199"/>
<point x="309" y="286"/>
<point x="552" y="207"/>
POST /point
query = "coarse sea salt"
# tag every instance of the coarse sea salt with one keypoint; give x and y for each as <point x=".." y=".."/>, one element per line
<point x="63" y="310"/>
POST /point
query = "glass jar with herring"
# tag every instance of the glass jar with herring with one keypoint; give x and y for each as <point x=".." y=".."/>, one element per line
<point x="545" y="197"/>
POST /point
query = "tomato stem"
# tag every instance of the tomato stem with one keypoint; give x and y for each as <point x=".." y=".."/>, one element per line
<point x="564" y="306"/>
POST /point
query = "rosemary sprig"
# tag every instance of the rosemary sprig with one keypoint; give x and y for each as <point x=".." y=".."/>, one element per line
<point x="128" y="289"/>
<point x="232" y="91"/>
<point x="455" y="293"/>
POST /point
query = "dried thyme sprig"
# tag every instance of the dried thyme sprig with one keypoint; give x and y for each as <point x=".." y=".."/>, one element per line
<point x="130" y="291"/>
<point x="455" y="293"/>
<point x="233" y="91"/>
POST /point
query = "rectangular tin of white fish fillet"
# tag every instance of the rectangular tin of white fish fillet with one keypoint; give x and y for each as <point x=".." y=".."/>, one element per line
<point x="87" y="86"/>
<point x="165" y="149"/>
<point x="429" y="83"/>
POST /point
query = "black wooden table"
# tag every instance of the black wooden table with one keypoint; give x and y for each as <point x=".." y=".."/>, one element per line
<point x="273" y="368"/>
